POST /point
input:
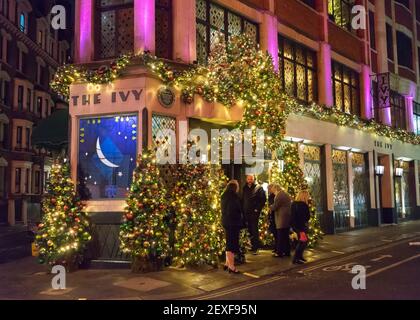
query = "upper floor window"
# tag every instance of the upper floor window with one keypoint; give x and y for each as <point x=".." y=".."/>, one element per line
<point x="372" y="30"/>
<point x="297" y="70"/>
<point x="310" y="3"/>
<point x="20" y="98"/>
<point x="5" y="7"/>
<point x="389" y="41"/>
<point x="5" y="92"/>
<point x="115" y="23"/>
<point x="339" y="11"/>
<point x="18" y="179"/>
<point x="405" y="50"/>
<point x="416" y="107"/>
<point x="28" y="138"/>
<point x="214" y="20"/>
<point x="346" y="89"/>
<point x="23" y="25"/>
<point x="163" y="27"/>
<point x="37" y="182"/>
<point x="397" y="110"/>
<point x="29" y="100"/>
<point x="2" y="181"/>
<point x="39" y="106"/>
<point x="19" y="132"/>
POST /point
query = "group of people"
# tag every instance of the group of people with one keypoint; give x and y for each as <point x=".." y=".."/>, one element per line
<point x="240" y="212"/>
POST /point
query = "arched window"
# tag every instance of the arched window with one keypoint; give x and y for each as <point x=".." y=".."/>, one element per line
<point x="22" y="22"/>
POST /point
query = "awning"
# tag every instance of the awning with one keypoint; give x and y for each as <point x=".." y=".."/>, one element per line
<point x="52" y="132"/>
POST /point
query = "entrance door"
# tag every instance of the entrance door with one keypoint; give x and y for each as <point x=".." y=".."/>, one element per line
<point x="341" y="191"/>
<point x="360" y="190"/>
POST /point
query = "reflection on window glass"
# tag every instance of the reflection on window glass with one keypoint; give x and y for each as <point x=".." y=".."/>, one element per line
<point x="107" y="156"/>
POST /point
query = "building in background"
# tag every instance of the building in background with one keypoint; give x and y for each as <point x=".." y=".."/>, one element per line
<point x="30" y="52"/>
<point x="358" y="179"/>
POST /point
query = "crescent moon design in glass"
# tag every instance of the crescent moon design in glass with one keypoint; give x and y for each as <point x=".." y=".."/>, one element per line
<point x="102" y="157"/>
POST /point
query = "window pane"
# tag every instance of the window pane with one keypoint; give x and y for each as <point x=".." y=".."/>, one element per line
<point x="107" y="155"/>
<point x="217" y="17"/>
<point x="301" y="82"/>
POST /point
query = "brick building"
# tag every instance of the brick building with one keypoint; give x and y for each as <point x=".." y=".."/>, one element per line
<point x="358" y="179"/>
<point x="30" y="52"/>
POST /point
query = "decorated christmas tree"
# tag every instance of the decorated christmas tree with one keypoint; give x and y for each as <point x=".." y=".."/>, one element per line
<point x="199" y="236"/>
<point x="292" y="180"/>
<point x="144" y="233"/>
<point x="64" y="230"/>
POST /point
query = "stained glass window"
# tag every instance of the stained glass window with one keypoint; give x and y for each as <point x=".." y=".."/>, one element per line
<point x="107" y="155"/>
<point x="215" y="21"/>
<point x="313" y="175"/>
<point x="397" y="110"/>
<point x="159" y="125"/>
<point x="416" y="108"/>
<point x="346" y="89"/>
<point x="164" y="28"/>
<point x="297" y="70"/>
<point x="339" y="11"/>
<point x="116" y="28"/>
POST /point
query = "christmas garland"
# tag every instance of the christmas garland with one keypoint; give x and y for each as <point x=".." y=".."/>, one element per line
<point x="237" y="73"/>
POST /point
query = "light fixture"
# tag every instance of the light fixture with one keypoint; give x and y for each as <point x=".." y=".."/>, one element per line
<point x="399" y="172"/>
<point x="379" y="170"/>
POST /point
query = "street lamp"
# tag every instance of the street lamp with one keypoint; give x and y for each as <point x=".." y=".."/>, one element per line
<point x="379" y="170"/>
<point x="399" y="172"/>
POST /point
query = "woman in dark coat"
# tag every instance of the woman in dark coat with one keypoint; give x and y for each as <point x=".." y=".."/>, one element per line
<point x="232" y="221"/>
<point x="300" y="224"/>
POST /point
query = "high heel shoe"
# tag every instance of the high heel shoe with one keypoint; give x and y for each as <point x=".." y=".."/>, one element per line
<point x="236" y="271"/>
<point x="225" y="268"/>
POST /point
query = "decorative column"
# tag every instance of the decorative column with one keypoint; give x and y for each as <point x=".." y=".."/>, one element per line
<point x="11" y="212"/>
<point x="327" y="222"/>
<point x="325" y="91"/>
<point x="387" y="190"/>
<point x="144" y="26"/>
<point x="269" y="37"/>
<point x="84" y="30"/>
<point x="25" y="212"/>
<point x="380" y="29"/>
<point x="184" y="30"/>
<point x="366" y="86"/>
<point x="351" y="188"/>
<point x="373" y="211"/>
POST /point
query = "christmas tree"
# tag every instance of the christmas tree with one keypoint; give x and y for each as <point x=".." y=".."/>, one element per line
<point x="64" y="230"/>
<point x="144" y="233"/>
<point x="292" y="180"/>
<point x="199" y="235"/>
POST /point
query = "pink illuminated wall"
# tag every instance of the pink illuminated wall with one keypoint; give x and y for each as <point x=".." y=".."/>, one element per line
<point x="84" y="31"/>
<point x="269" y="38"/>
<point x="144" y="25"/>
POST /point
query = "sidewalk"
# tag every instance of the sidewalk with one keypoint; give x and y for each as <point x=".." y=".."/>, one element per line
<point x="25" y="279"/>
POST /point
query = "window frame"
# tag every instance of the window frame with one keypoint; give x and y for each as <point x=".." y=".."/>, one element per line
<point x="18" y="180"/>
<point x="332" y="17"/>
<point x="397" y="105"/>
<point x="314" y="69"/>
<point x="416" y="117"/>
<point x="209" y="27"/>
<point x="353" y="109"/>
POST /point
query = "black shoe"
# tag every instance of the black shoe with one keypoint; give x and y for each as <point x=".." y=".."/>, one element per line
<point x="298" y="262"/>
<point x="236" y="271"/>
<point x="278" y="255"/>
<point x="254" y="252"/>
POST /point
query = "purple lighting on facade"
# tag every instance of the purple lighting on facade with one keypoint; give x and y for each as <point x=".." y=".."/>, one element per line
<point x="85" y="30"/>
<point x="144" y="32"/>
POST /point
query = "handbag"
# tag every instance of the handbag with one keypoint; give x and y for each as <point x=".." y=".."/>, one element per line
<point x="303" y="237"/>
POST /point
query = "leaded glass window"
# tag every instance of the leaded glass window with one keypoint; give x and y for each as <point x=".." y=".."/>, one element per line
<point x="403" y="191"/>
<point x="339" y="11"/>
<point x="161" y="125"/>
<point x="416" y="108"/>
<point x="298" y="70"/>
<point x="164" y="28"/>
<point x="397" y="110"/>
<point x="215" y="21"/>
<point x="313" y="175"/>
<point x="346" y="89"/>
<point x="341" y="190"/>
<point x="360" y="189"/>
<point x="116" y="28"/>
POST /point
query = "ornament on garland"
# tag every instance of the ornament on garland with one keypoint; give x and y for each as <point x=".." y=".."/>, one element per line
<point x="64" y="230"/>
<point x="144" y="233"/>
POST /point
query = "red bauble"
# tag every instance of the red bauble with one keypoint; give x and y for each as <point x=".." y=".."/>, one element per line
<point x="129" y="216"/>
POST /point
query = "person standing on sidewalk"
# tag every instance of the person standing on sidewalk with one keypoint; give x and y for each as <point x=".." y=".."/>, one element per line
<point x="272" y="223"/>
<point x="232" y="222"/>
<point x="281" y="208"/>
<point x="300" y="224"/>
<point x="253" y="201"/>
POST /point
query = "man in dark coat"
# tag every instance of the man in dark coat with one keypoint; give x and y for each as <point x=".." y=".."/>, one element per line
<point x="253" y="201"/>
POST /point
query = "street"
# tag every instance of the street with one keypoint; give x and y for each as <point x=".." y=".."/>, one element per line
<point x="392" y="272"/>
